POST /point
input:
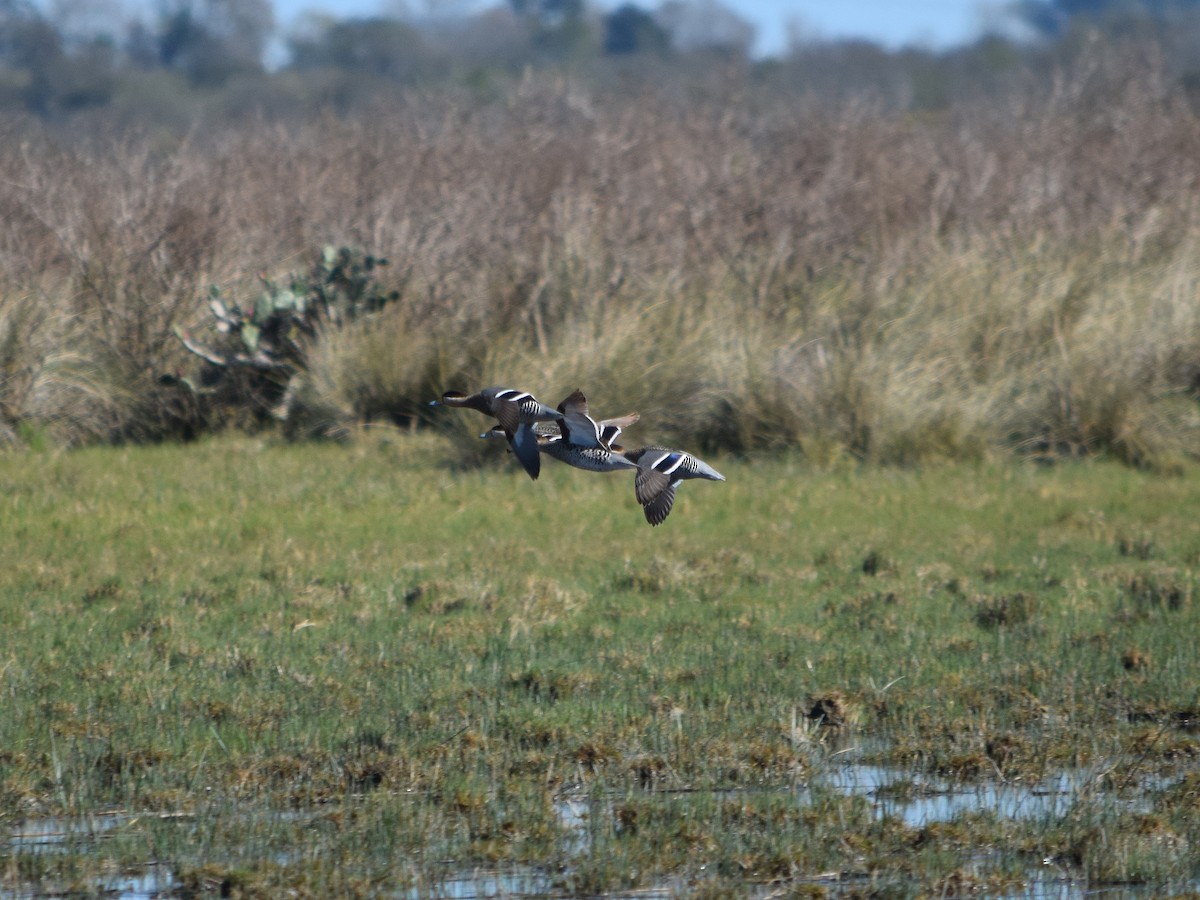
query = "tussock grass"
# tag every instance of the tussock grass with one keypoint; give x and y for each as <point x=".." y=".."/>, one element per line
<point x="1010" y="274"/>
<point x="314" y="666"/>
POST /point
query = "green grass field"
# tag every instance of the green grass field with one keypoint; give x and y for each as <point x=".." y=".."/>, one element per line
<point x="250" y="666"/>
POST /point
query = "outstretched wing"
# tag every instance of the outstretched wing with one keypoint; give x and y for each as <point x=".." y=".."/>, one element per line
<point x="508" y="414"/>
<point x="649" y="483"/>
<point x="524" y="443"/>
<point x="610" y="429"/>
<point x="576" y="425"/>
<point x="659" y="507"/>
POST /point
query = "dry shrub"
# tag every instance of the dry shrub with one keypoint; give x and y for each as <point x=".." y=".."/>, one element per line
<point x="124" y="241"/>
<point x="22" y="347"/>
<point x="834" y="709"/>
<point x="1006" y="611"/>
<point x="1159" y="589"/>
<point x="1015" y="272"/>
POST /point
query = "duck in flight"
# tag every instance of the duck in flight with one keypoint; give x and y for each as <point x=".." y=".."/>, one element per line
<point x="570" y="435"/>
<point x="660" y="472"/>
<point x="577" y="439"/>
<point x="516" y="411"/>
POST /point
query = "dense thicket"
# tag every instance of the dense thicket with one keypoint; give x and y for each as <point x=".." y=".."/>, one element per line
<point x="748" y="260"/>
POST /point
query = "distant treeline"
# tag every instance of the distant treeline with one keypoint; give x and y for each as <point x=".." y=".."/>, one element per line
<point x="185" y="60"/>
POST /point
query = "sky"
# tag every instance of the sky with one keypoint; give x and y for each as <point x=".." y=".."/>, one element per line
<point x="892" y="23"/>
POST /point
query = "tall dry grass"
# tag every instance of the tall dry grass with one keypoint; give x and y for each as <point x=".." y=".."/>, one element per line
<point x="749" y="267"/>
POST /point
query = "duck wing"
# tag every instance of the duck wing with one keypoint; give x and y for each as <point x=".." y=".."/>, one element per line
<point x="524" y="444"/>
<point x="576" y="425"/>
<point x="649" y="483"/>
<point x="659" y="507"/>
<point x="508" y="414"/>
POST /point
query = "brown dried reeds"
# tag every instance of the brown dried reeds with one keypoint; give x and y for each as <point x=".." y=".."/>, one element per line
<point x="1014" y="273"/>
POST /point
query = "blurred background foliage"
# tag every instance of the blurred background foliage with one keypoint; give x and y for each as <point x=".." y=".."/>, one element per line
<point x="850" y="251"/>
<point x="172" y="60"/>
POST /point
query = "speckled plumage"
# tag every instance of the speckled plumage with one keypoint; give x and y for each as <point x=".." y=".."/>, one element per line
<point x="593" y="459"/>
<point x="553" y="442"/>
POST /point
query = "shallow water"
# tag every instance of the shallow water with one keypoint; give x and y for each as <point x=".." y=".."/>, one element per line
<point x="919" y="801"/>
<point x="486" y="883"/>
<point x="916" y="800"/>
<point x="56" y="833"/>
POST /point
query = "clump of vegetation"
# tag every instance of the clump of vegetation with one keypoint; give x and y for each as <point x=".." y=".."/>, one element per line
<point x="1006" y="610"/>
<point x="265" y="348"/>
<point x="1161" y="589"/>
<point x="833" y="710"/>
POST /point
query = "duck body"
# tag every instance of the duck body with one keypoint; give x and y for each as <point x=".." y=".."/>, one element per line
<point x="593" y="459"/>
<point x="599" y="457"/>
<point x="660" y="471"/>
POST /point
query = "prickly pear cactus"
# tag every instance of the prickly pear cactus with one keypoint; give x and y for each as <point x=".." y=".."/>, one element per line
<point x="262" y="344"/>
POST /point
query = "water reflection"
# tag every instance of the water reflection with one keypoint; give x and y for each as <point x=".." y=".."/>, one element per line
<point x="56" y="833"/>
<point x="471" y="885"/>
<point x="919" y="801"/>
<point x="155" y="882"/>
<point x="574" y="815"/>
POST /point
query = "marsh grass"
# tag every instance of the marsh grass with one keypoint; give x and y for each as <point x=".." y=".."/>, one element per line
<point x="337" y="668"/>
<point x="1015" y="275"/>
